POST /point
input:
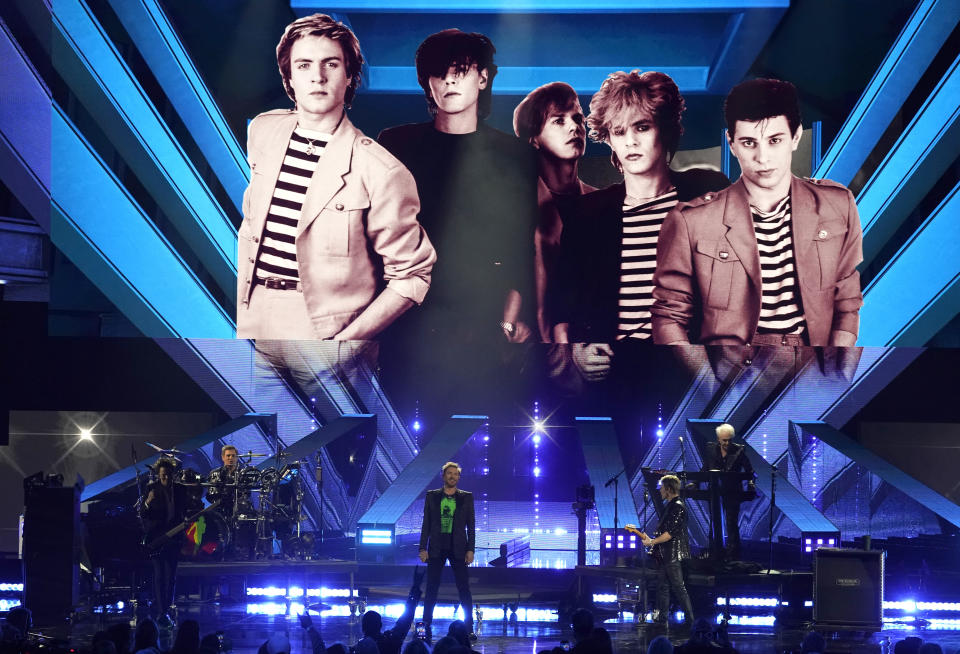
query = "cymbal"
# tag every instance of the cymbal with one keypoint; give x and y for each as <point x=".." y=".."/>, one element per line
<point x="319" y="606"/>
<point x="166" y="450"/>
<point x="254" y="454"/>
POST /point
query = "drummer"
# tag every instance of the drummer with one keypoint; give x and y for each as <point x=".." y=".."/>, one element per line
<point x="223" y="482"/>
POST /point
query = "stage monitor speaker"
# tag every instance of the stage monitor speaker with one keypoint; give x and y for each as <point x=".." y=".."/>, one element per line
<point x="51" y="546"/>
<point x="848" y="588"/>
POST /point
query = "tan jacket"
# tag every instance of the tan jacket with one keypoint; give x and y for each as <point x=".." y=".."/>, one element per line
<point x="358" y="227"/>
<point x="708" y="265"/>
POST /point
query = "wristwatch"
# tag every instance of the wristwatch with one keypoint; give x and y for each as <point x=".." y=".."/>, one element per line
<point x="508" y="328"/>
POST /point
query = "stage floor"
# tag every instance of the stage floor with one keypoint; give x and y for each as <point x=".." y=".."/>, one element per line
<point x="247" y="632"/>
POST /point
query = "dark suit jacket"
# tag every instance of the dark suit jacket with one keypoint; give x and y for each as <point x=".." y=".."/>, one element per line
<point x="464" y="524"/>
<point x="707" y="284"/>
<point x="735" y="461"/>
<point x="157" y="518"/>
<point x="587" y="285"/>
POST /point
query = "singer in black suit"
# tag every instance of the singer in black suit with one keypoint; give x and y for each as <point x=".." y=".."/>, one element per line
<point x="730" y="457"/>
<point x="448" y="533"/>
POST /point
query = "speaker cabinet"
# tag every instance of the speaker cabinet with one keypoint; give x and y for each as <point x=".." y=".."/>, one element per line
<point x="51" y="545"/>
<point x="848" y="588"/>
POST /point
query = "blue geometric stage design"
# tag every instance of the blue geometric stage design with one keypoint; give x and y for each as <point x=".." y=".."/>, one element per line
<point x="602" y="454"/>
<point x="417" y="476"/>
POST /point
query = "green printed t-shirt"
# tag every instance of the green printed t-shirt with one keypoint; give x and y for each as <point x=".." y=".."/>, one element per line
<point x="448" y="505"/>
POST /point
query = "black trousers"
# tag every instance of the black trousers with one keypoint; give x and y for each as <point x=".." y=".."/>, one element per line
<point x="460" y="576"/>
<point x="670" y="578"/>
<point x="164" y="577"/>
<point x="731" y="517"/>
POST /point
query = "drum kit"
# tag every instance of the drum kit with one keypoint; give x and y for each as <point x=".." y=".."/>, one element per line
<point x="259" y="514"/>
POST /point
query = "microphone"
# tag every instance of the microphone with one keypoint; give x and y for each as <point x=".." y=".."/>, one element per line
<point x="609" y="483"/>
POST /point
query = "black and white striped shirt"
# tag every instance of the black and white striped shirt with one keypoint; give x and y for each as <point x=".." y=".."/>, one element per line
<point x="278" y="252"/>
<point x="780" y="311"/>
<point x="638" y="261"/>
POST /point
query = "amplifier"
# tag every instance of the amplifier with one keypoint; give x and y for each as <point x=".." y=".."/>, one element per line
<point x="848" y="588"/>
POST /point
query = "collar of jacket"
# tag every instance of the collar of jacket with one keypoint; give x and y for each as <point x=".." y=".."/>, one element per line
<point x="327" y="179"/>
<point x="738" y="218"/>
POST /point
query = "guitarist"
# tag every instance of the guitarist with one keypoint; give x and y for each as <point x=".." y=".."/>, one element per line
<point x="164" y="508"/>
<point x="671" y="548"/>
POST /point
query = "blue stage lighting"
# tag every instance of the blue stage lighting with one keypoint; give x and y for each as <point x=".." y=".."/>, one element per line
<point x="416" y="425"/>
<point x="536" y="471"/>
<point x="659" y="433"/>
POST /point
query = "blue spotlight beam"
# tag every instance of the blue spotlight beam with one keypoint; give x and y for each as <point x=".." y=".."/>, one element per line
<point x="918" y="291"/>
<point x="601" y="451"/>
<point x="413" y="480"/>
<point x="167" y="58"/>
<point x="908" y="58"/>
<point x="789" y="499"/>
<point x="884" y="469"/>
<point x="128" y="474"/>
<point x="102" y="230"/>
<point x="322" y="437"/>
<point x="88" y="62"/>
<point x="916" y="161"/>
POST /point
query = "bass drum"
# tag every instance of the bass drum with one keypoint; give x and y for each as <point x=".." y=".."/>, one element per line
<point x="206" y="539"/>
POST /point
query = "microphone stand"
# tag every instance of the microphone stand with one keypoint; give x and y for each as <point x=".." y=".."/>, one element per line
<point x="615" y="480"/>
<point x="773" y="506"/>
<point x="318" y="475"/>
<point x="643" y="560"/>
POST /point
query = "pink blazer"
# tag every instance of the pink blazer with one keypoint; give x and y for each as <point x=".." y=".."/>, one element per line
<point x="708" y="265"/>
<point x="358" y="228"/>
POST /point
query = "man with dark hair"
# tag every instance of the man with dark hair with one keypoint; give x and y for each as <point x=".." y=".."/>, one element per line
<point x="728" y="456"/>
<point x="164" y="508"/>
<point x="477" y="189"/>
<point x="609" y="243"/>
<point x="772" y="260"/>
<point x="330" y="246"/>
<point x="608" y="248"/>
<point x="672" y="543"/>
<point x="448" y="533"/>
<point x="551" y="120"/>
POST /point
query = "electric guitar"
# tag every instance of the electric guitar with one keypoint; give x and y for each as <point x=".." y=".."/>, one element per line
<point x="158" y="542"/>
<point x="653" y="551"/>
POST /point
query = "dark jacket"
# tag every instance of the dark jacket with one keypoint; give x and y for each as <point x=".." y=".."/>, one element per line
<point x="674" y="520"/>
<point x="160" y="516"/>
<point x="464" y="527"/>
<point x="478" y="205"/>
<point x="735" y="461"/>
<point x="587" y="289"/>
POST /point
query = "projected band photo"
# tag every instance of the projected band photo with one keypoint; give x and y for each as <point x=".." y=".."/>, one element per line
<point x="430" y="327"/>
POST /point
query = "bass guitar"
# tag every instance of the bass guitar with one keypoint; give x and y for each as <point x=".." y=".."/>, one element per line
<point x="157" y="543"/>
<point x="654" y="551"/>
